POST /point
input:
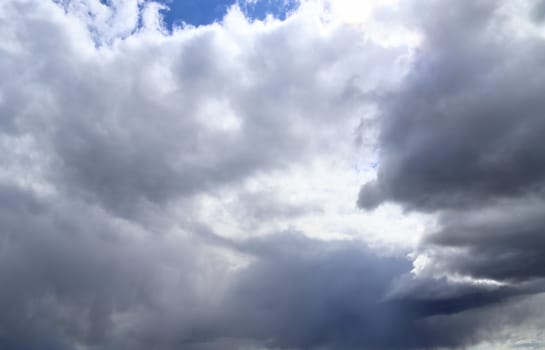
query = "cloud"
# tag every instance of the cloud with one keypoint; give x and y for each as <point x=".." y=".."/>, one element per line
<point x="73" y="276"/>
<point x="166" y="190"/>
<point x="460" y="139"/>
<point x="489" y="244"/>
<point x="462" y="136"/>
<point x="464" y="128"/>
<point x="156" y="117"/>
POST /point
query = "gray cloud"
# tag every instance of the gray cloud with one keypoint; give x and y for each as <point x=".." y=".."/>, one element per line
<point x="503" y="243"/>
<point x="72" y="275"/>
<point x="461" y="138"/>
<point x="464" y="130"/>
<point x="463" y="134"/>
<point x="156" y="119"/>
<point x="107" y="124"/>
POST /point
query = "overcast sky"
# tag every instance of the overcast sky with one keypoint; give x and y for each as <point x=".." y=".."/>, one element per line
<point x="272" y="174"/>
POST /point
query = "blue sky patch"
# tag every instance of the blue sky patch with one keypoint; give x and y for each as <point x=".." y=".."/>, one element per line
<point x="201" y="12"/>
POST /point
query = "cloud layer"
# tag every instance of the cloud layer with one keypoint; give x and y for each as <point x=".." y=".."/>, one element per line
<point x="178" y="190"/>
<point x="464" y="129"/>
<point x="461" y="139"/>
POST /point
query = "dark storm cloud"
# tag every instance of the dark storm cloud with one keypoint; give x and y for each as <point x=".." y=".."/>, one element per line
<point x="504" y="243"/>
<point x="72" y="276"/>
<point x="306" y="294"/>
<point x="99" y="134"/>
<point x="462" y="138"/>
<point x="464" y="134"/>
<point x="466" y="127"/>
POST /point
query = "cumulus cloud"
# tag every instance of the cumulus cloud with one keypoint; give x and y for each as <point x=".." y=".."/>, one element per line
<point x="464" y="128"/>
<point x="155" y="117"/>
<point x="182" y="189"/>
<point x="460" y="138"/>
<point x="73" y="276"/>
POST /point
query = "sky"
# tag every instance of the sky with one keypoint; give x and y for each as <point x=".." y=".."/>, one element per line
<point x="272" y="174"/>
<point x="204" y="12"/>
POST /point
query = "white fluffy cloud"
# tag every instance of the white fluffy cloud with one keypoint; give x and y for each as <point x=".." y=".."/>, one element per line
<point x="138" y="120"/>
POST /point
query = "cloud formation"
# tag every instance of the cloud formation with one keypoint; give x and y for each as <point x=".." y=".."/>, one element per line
<point x="73" y="276"/>
<point x="460" y="139"/>
<point x="464" y="128"/>
<point x="148" y="179"/>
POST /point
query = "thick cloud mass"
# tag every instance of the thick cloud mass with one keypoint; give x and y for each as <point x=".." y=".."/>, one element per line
<point x="123" y="144"/>
<point x="462" y="137"/>
<point x="465" y="129"/>
<point x="156" y="117"/>
<point x="73" y="276"/>
<point x="491" y="244"/>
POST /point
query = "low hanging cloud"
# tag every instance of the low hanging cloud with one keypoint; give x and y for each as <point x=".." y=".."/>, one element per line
<point x="461" y="138"/>
<point x="491" y="244"/>
<point x="74" y="276"/>
<point x="155" y="117"/>
<point x="115" y="131"/>
<point x="464" y="129"/>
